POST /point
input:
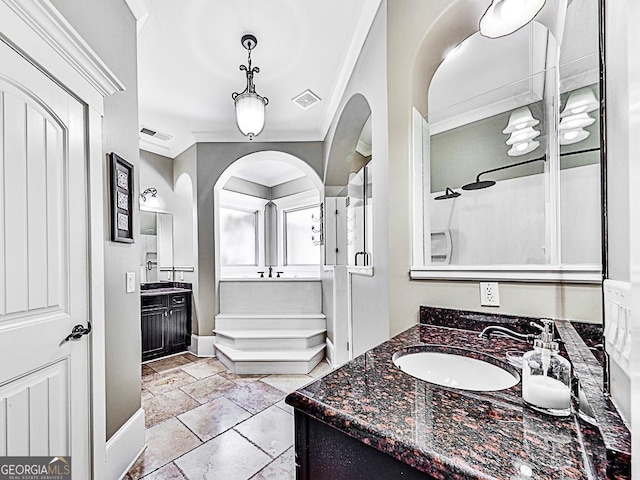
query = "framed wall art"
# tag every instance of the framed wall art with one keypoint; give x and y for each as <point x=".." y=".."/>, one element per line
<point x="121" y="199"/>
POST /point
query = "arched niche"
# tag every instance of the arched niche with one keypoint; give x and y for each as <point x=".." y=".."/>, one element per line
<point x="298" y="189"/>
<point x="348" y="188"/>
<point x="353" y="118"/>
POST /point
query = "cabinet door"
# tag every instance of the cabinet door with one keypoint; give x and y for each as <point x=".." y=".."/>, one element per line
<point x="153" y="333"/>
<point x="177" y="329"/>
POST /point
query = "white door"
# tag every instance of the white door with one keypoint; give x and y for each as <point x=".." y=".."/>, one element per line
<point x="44" y="380"/>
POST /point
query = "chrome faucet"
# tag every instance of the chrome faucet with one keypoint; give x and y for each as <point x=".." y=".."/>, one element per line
<point x="496" y="330"/>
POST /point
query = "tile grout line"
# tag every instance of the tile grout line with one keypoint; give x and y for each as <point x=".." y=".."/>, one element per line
<point x="256" y="445"/>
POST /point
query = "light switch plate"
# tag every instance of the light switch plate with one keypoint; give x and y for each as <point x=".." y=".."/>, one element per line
<point x="131" y="282"/>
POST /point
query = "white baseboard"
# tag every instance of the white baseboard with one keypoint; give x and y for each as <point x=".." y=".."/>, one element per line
<point x="202" y="346"/>
<point x="330" y="352"/>
<point x="125" y="446"/>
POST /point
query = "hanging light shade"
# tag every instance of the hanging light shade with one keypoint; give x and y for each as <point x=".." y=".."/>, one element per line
<point x="520" y="118"/>
<point x="523" y="135"/>
<point x="250" y="114"/>
<point x="573" y="136"/>
<point x="504" y="17"/>
<point x="250" y="106"/>
<point x="523" y="148"/>
<point x="580" y="101"/>
<point x="573" y="122"/>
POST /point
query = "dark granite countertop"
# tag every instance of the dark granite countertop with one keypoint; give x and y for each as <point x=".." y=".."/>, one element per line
<point x="163" y="291"/>
<point x="444" y="432"/>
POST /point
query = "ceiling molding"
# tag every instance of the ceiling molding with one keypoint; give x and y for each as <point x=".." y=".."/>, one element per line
<point x="141" y="10"/>
<point x="157" y="149"/>
<point x="58" y="33"/>
<point x="360" y="33"/>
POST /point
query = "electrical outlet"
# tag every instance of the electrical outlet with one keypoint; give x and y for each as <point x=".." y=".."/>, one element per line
<point x="489" y="294"/>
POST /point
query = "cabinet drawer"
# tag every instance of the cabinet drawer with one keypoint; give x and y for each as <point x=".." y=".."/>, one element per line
<point x="153" y="301"/>
<point x="177" y="300"/>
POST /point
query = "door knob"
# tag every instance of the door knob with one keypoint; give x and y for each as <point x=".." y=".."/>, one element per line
<point x="78" y="331"/>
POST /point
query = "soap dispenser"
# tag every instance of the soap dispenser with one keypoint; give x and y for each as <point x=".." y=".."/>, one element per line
<point x="546" y="376"/>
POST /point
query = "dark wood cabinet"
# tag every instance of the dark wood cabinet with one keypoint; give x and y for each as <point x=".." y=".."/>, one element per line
<point x="325" y="453"/>
<point x="166" y="324"/>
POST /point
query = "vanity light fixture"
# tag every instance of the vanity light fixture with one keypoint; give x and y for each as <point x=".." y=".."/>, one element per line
<point x="523" y="135"/>
<point x="504" y="17"/>
<point x="249" y="105"/>
<point x="519" y="119"/>
<point x="573" y="136"/>
<point x="572" y="122"/>
<point x="149" y="191"/>
<point x="520" y="126"/>
<point x="580" y="101"/>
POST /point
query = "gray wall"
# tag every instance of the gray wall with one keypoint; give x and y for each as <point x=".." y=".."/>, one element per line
<point x="370" y="307"/>
<point x="212" y="160"/>
<point x="110" y="29"/>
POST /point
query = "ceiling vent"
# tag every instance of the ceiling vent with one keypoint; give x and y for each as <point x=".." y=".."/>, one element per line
<point x="152" y="133"/>
<point x="306" y="99"/>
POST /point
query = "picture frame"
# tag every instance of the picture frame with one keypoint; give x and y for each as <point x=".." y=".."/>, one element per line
<point x="121" y="199"/>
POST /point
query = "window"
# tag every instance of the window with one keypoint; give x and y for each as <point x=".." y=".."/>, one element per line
<point x="238" y="237"/>
<point x="302" y="227"/>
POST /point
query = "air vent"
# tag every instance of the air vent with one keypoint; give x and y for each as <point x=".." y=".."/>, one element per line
<point x="306" y="99"/>
<point x="152" y="133"/>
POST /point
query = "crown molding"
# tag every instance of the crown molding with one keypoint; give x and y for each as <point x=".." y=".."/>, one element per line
<point x="45" y="20"/>
<point x="141" y="10"/>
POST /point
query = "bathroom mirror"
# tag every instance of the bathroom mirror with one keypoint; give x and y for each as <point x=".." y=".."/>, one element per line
<point x="156" y="253"/>
<point x="511" y="152"/>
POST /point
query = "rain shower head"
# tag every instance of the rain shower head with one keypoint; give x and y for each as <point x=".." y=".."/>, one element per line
<point x="479" y="185"/>
<point x="448" y="193"/>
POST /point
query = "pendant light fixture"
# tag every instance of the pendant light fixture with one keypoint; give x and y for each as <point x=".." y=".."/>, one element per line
<point x="249" y="105"/>
<point x="504" y="17"/>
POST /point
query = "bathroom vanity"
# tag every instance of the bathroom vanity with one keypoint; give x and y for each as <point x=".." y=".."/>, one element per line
<point x="370" y="420"/>
<point x="165" y="318"/>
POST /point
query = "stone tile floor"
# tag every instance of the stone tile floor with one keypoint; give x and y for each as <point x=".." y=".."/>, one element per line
<point x="204" y="422"/>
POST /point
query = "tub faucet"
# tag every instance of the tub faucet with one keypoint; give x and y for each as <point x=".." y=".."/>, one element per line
<point x="496" y="330"/>
<point x="270" y="271"/>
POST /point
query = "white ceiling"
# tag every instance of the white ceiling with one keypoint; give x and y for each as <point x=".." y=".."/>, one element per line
<point x="269" y="173"/>
<point x="189" y="54"/>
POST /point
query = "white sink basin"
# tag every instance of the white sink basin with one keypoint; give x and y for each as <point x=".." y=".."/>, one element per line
<point x="456" y="371"/>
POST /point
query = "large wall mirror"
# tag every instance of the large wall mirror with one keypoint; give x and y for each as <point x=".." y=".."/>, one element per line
<point x="511" y="152"/>
<point x="156" y="252"/>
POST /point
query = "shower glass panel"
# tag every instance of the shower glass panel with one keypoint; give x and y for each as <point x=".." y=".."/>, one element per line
<point x="497" y="151"/>
<point x="300" y="245"/>
<point x="580" y="149"/>
<point x="238" y="237"/>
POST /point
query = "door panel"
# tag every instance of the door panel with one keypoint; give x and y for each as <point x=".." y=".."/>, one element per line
<point x="43" y="267"/>
<point x="34" y="410"/>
